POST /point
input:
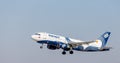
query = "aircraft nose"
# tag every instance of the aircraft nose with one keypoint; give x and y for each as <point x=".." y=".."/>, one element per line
<point x="33" y="37"/>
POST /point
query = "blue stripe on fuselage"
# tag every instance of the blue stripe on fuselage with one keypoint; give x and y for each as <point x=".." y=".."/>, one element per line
<point x="50" y="42"/>
<point x="78" y="48"/>
<point x="90" y="48"/>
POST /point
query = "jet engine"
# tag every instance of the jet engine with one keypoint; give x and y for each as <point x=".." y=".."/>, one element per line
<point x="53" y="46"/>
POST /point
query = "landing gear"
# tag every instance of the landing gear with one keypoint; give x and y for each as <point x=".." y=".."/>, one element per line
<point x="63" y="52"/>
<point x="68" y="49"/>
<point x="71" y="52"/>
<point x="41" y="46"/>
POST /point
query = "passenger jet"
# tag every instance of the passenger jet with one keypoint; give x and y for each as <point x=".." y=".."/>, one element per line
<point x="55" y="42"/>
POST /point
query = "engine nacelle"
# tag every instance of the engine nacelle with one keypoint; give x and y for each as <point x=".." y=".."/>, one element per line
<point x="53" y="47"/>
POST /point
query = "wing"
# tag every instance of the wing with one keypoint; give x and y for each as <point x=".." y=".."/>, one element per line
<point x="74" y="44"/>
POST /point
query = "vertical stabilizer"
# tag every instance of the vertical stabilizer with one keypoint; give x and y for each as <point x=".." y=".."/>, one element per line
<point x="104" y="38"/>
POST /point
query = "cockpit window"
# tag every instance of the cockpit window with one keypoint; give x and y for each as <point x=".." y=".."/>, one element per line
<point x="37" y="34"/>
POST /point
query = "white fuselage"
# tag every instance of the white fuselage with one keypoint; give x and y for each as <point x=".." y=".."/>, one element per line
<point x="46" y="36"/>
<point x="42" y="36"/>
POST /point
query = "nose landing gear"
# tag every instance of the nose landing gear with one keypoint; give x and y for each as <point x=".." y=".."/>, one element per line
<point x="41" y="46"/>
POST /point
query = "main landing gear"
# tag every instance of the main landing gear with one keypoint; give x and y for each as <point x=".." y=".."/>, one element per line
<point x="64" y="52"/>
<point x="71" y="52"/>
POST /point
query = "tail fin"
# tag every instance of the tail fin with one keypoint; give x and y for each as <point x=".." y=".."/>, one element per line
<point x="104" y="38"/>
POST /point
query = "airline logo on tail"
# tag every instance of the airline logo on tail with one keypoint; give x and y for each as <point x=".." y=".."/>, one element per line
<point x="104" y="38"/>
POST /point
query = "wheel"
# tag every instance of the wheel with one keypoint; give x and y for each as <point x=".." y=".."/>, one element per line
<point x="71" y="52"/>
<point x="63" y="52"/>
<point x="41" y="47"/>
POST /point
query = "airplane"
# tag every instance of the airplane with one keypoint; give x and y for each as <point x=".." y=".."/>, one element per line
<point x="55" y="42"/>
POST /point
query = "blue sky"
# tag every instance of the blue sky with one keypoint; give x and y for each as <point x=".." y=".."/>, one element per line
<point x="85" y="20"/>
